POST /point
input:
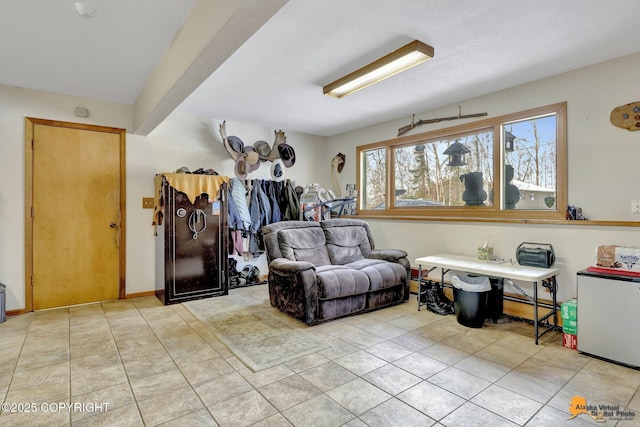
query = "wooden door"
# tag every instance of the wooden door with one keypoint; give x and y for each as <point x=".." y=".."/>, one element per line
<point x="76" y="214"/>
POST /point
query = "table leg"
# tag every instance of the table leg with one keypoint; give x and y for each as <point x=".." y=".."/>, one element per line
<point x="535" y="310"/>
<point x="419" y="285"/>
<point x="554" y="296"/>
<point x="421" y="275"/>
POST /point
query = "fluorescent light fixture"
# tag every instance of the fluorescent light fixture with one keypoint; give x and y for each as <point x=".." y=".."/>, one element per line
<point x="397" y="61"/>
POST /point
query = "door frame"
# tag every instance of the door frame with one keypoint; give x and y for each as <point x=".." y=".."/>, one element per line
<point x="28" y="196"/>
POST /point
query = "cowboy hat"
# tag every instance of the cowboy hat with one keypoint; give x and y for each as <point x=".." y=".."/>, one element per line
<point x="278" y="170"/>
<point x="287" y="154"/>
<point x="235" y="144"/>
<point x="246" y="163"/>
<point x="263" y="149"/>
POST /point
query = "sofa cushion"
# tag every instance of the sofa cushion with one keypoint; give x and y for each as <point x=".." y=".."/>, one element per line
<point x="347" y="244"/>
<point x="337" y="281"/>
<point x="270" y="235"/>
<point x="381" y="274"/>
<point x="304" y="245"/>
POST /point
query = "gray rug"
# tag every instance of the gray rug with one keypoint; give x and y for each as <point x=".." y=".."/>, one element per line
<point x="259" y="335"/>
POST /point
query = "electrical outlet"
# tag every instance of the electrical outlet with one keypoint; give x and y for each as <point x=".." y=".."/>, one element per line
<point x="147" y="203"/>
<point x="635" y="206"/>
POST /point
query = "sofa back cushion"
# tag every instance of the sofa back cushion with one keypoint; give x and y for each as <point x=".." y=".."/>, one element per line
<point x="347" y="243"/>
<point x="270" y="235"/>
<point x="304" y="244"/>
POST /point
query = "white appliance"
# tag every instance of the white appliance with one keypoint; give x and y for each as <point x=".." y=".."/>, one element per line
<point x="609" y="316"/>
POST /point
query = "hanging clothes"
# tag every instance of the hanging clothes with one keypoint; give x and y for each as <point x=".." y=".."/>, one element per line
<point x="236" y="226"/>
<point x="292" y="211"/>
<point x="239" y="195"/>
<point x="235" y="220"/>
<point x="240" y="236"/>
<point x="272" y="189"/>
<point x="265" y="203"/>
<point x="257" y="217"/>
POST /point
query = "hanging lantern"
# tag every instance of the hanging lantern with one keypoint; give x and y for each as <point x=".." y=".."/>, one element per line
<point x="508" y="141"/>
<point x="456" y="152"/>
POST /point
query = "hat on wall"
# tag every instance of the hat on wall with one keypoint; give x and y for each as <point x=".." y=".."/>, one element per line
<point x="246" y="163"/>
<point x="263" y="149"/>
<point x="278" y="170"/>
<point x="287" y="154"/>
<point x="235" y="144"/>
<point x="338" y="162"/>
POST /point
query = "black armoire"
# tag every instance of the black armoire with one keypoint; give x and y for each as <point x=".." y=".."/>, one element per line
<point x="191" y="237"/>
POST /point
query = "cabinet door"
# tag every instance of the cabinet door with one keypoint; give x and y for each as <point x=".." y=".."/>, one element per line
<point x="608" y="318"/>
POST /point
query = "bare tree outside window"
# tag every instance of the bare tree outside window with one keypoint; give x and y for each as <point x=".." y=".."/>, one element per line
<point x="424" y="173"/>
<point x="512" y="167"/>
<point x="374" y="175"/>
<point x="534" y="161"/>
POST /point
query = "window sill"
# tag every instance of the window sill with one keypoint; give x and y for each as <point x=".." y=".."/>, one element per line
<point x="497" y="220"/>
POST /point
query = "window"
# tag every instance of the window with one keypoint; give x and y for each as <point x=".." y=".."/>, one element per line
<point x="511" y="167"/>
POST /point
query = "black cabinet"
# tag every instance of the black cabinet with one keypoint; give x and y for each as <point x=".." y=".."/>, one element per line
<point x="191" y="245"/>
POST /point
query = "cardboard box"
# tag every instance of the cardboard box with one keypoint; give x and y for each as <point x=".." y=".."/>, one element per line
<point x="570" y="341"/>
<point x="569" y="313"/>
<point x="624" y="258"/>
<point x="570" y="310"/>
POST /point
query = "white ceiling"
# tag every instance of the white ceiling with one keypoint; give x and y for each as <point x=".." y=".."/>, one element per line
<point x="46" y="45"/>
<point x="275" y="79"/>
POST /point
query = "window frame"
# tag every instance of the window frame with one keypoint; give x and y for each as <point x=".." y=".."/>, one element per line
<point x="494" y="213"/>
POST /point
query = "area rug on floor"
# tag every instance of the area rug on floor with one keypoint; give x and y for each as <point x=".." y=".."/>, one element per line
<point x="260" y="336"/>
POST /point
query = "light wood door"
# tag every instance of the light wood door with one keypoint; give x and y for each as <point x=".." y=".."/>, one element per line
<point x="77" y="215"/>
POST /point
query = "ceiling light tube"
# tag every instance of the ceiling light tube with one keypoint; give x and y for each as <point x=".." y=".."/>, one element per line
<point x="397" y="61"/>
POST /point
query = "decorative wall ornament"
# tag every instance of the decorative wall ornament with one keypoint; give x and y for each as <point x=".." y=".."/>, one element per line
<point x="626" y="116"/>
<point x="337" y="163"/>
<point x="248" y="157"/>
<point x="414" y="124"/>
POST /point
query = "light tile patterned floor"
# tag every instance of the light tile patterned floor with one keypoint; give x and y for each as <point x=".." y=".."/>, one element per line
<point x="158" y="365"/>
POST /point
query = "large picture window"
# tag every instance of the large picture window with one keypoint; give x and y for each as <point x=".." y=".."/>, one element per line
<point x="511" y="167"/>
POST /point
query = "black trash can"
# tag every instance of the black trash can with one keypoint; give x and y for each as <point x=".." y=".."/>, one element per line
<point x="495" y="302"/>
<point x="3" y="304"/>
<point x="470" y="295"/>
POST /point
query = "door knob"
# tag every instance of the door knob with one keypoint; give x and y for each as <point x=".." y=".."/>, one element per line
<point x="113" y="225"/>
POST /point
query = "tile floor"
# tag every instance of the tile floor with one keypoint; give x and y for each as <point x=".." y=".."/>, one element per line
<point x="157" y="365"/>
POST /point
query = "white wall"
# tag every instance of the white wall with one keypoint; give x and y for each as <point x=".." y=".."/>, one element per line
<point x="603" y="170"/>
<point x="179" y="141"/>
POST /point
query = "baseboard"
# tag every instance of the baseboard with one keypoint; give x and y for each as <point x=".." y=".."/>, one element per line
<point x="15" y="312"/>
<point x="142" y="294"/>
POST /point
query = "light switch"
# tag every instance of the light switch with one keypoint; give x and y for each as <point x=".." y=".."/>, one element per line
<point x="635" y="206"/>
<point x="147" y="203"/>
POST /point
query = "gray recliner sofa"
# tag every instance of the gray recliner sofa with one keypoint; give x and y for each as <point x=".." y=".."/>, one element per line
<point x="320" y="271"/>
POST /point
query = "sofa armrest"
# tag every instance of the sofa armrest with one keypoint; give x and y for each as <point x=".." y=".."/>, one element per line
<point x="293" y="288"/>
<point x="285" y="267"/>
<point x="392" y="255"/>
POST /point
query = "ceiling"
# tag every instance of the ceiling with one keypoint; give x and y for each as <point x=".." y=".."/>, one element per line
<point x="275" y="78"/>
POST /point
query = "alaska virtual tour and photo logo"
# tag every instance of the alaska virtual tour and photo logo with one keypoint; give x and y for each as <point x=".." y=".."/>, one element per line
<point x="599" y="413"/>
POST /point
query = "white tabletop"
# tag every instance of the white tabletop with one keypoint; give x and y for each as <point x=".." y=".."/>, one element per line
<point x="488" y="268"/>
